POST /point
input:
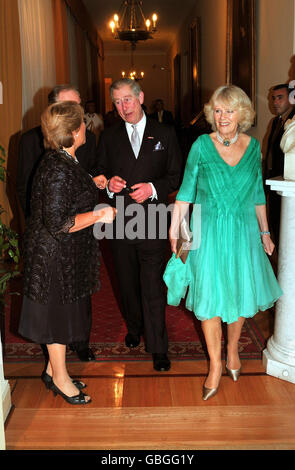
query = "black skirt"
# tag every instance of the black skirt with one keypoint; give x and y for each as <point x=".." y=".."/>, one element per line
<point x="55" y="322"/>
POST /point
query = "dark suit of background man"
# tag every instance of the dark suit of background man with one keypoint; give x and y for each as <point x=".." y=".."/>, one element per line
<point x="31" y="150"/>
<point x="151" y="172"/>
<point x="161" y="114"/>
<point x="274" y="159"/>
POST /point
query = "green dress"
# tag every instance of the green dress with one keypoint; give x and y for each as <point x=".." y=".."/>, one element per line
<point x="228" y="274"/>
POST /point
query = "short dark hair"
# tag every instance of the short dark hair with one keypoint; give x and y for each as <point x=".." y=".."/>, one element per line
<point x="53" y="95"/>
<point x="280" y="86"/>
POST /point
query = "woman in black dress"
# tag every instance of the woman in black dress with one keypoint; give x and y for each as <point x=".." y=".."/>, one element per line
<point x="61" y="254"/>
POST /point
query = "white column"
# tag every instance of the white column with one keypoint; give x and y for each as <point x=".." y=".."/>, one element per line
<point x="279" y="356"/>
<point x="5" y="403"/>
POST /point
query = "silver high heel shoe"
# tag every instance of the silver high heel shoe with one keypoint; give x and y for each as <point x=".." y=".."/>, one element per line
<point x="233" y="373"/>
<point x="210" y="392"/>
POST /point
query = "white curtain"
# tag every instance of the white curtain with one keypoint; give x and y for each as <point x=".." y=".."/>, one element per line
<point x="74" y="75"/>
<point x="38" y="57"/>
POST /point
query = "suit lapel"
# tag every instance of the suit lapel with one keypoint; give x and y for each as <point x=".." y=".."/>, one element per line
<point x="124" y="142"/>
<point x="148" y="138"/>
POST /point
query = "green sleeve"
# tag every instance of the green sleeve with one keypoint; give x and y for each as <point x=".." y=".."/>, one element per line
<point x="259" y="190"/>
<point x="188" y="188"/>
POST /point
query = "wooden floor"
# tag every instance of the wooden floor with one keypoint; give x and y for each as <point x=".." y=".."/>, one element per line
<point x="134" y="407"/>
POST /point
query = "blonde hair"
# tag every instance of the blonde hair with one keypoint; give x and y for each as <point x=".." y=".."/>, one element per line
<point x="58" y="123"/>
<point x="236" y="99"/>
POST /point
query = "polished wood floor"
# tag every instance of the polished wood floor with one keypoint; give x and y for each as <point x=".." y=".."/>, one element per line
<point x="134" y="407"/>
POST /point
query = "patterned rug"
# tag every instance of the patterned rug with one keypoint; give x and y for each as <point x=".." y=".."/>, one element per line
<point x="186" y="341"/>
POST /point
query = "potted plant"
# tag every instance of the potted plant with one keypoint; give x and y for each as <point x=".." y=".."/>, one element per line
<point x="9" y="250"/>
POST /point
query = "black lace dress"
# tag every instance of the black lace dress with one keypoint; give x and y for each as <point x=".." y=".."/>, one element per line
<point x="61" y="269"/>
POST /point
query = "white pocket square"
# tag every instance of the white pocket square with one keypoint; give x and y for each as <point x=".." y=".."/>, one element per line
<point x="158" y="147"/>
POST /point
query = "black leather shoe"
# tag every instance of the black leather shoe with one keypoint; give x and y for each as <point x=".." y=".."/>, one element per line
<point x="161" y="362"/>
<point x="132" y="341"/>
<point x="85" y="355"/>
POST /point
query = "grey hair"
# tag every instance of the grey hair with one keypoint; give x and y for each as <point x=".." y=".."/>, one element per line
<point x="133" y="84"/>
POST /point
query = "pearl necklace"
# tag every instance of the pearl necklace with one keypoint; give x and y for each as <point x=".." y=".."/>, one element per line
<point x="227" y="142"/>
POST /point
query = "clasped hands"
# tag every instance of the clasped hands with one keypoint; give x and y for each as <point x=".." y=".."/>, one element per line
<point x="141" y="191"/>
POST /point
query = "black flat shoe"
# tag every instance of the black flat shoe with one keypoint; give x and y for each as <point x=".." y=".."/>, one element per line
<point x="86" y="355"/>
<point x="47" y="380"/>
<point x="79" y="399"/>
<point x="161" y="362"/>
<point x="132" y="341"/>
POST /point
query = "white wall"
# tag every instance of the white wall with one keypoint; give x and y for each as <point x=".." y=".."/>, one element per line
<point x="156" y="82"/>
<point x="275" y="49"/>
<point x="213" y="18"/>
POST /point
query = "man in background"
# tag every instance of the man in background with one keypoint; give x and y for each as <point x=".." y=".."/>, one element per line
<point x="162" y="115"/>
<point x="93" y="120"/>
<point x="274" y="158"/>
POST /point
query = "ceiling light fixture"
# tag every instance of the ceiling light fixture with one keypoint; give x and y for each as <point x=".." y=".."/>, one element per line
<point x="131" y="24"/>
<point x="132" y="72"/>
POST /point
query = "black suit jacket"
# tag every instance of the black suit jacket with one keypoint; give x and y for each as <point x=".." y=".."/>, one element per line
<point x="167" y="117"/>
<point x="31" y="149"/>
<point x="158" y="162"/>
<point x="274" y="150"/>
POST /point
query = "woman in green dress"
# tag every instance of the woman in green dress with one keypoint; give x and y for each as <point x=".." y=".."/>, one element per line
<point x="227" y="276"/>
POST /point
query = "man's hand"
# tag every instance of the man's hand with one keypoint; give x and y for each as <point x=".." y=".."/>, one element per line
<point x="141" y="192"/>
<point x="116" y="184"/>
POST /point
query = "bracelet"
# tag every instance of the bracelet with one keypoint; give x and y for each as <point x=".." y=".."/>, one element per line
<point x="264" y="233"/>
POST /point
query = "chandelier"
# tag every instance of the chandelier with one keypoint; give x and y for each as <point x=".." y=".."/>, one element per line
<point x="131" y="24"/>
<point x="132" y="72"/>
<point x="133" y="75"/>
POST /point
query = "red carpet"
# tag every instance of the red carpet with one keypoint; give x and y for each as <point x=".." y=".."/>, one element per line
<point x="108" y="330"/>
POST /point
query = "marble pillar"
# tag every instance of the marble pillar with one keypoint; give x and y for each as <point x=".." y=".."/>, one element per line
<point x="5" y="403"/>
<point x="279" y="356"/>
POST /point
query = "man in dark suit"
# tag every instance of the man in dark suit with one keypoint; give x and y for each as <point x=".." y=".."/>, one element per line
<point x="142" y="160"/>
<point x="274" y="158"/>
<point x="161" y="114"/>
<point x="31" y="150"/>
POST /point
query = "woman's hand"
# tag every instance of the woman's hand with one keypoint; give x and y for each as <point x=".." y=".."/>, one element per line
<point x="100" y="181"/>
<point x="268" y="244"/>
<point x="173" y="245"/>
<point x="106" y="215"/>
<point x="173" y="242"/>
